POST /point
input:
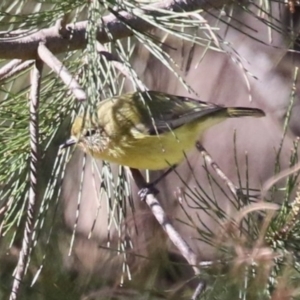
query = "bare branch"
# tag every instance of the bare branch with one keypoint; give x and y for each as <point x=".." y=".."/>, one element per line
<point x="172" y="233"/>
<point x="209" y="160"/>
<point x="33" y="189"/>
<point x="118" y="64"/>
<point x="109" y="56"/>
<point x="117" y="24"/>
<point x="14" y="67"/>
<point x="9" y="66"/>
<point x="112" y="58"/>
<point x="47" y="57"/>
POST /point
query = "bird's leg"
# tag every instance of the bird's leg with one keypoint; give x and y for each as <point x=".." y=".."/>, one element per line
<point x="150" y="187"/>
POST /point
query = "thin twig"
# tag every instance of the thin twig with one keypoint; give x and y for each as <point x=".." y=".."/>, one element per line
<point x="14" y="67"/>
<point x="48" y="58"/>
<point x="209" y="160"/>
<point x="113" y="58"/>
<point x="121" y="66"/>
<point x="9" y="66"/>
<point x="274" y="179"/>
<point x="172" y="233"/>
<point x="33" y="189"/>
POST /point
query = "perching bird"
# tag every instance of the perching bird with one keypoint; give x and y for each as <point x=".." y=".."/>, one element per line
<point x="149" y="130"/>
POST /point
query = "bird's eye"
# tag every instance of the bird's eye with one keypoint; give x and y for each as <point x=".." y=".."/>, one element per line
<point x="90" y="132"/>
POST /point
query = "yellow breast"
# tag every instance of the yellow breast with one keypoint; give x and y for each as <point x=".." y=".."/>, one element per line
<point x="153" y="152"/>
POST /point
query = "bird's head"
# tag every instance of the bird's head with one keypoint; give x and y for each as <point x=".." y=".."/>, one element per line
<point x="86" y="134"/>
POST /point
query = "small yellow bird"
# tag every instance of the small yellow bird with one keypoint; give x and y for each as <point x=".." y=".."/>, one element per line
<point x="148" y="130"/>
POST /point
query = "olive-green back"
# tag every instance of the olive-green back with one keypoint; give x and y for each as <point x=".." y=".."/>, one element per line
<point x="151" y="112"/>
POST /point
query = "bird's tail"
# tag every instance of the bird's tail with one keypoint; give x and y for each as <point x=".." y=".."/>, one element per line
<point x="235" y="112"/>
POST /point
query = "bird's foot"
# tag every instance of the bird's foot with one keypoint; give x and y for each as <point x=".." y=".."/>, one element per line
<point x="148" y="189"/>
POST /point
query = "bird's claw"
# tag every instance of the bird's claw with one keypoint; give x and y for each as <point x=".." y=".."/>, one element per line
<point x="149" y="189"/>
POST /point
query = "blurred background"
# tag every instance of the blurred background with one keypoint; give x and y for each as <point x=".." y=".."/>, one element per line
<point x="94" y="238"/>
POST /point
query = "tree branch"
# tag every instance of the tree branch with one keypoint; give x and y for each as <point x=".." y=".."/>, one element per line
<point x="9" y="67"/>
<point x="233" y="189"/>
<point x="47" y="57"/>
<point x="14" y="67"/>
<point x="117" y="24"/>
<point x="172" y="233"/>
<point x="33" y="189"/>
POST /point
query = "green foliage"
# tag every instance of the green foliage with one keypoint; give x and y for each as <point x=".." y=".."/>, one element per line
<point x="258" y="256"/>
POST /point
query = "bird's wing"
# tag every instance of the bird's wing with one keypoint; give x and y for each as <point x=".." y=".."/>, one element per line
<point x="168" y="124"/>
<point x="169" y="112"/>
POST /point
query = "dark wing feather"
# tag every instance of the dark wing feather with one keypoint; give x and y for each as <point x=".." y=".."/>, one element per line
<point x="163" y="112"/>
<point x="165" y="125"/>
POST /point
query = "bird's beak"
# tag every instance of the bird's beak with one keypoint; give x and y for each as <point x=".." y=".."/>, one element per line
<point x="68" y="143"/>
